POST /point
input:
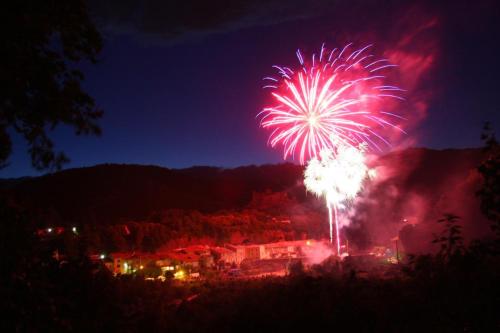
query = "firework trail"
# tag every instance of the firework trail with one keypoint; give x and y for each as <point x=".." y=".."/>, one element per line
<point x="327" y="111"/>
<point x="333" y="98"/>
<point x="338" y="178"/>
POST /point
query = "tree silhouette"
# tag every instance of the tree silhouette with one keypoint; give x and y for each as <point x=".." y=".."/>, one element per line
<point x="490" y="171"/>
<point x="43" y="43"/>
<point x="450" y="240"/>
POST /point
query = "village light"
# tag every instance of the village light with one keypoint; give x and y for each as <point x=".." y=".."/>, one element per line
<point x="179" y="275"/>
<point x="102" y="256"/>
<point x="141" y="267"/>
<point x="74" y="229"/>
<point x="49" y="230"/>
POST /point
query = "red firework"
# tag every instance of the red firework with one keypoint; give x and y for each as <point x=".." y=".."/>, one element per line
<point x="335" y="99"/>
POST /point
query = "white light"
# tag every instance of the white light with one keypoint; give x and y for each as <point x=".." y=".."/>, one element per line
<point x="74" y="229"/>
<point x="338" y="177"/>
<point x="49" y="230"/>
<point x="102" y="256"/>
<point x="312" y="120"/>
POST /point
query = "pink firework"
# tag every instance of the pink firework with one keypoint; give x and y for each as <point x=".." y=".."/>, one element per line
<point x="335" y="99"/>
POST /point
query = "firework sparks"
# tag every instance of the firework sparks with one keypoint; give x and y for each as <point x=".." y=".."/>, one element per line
<point x="338" y="178"/>
<point x="327" y="111"/>
<point x="331" y="99"/>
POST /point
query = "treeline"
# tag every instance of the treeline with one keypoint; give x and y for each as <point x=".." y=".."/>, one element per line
<point x="110" y="194"/>
<point x="175" y="225"/>
<point x="418" y="184"/>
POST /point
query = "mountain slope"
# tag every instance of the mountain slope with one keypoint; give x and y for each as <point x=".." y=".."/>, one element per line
<point x="413" y="187"/>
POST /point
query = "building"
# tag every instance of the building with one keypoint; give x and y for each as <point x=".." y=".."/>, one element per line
<point x="190" y="259"/>
<point x="223" y="255"/>
<point x="278" y="250"/>
<point x="127" y="263"/>
<point x="194" y="259"/>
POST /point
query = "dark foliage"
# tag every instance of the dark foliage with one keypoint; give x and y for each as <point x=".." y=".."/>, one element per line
<point x="43" y="41"/>
<point x="40" y="294"/>
<point x="490" y="171"/>
<point x="450" y="241"/>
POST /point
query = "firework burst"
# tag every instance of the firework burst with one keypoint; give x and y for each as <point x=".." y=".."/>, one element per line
<point x="337" y="177"/>
<point x="332" y="99"/>
<point x="328" y="111"/>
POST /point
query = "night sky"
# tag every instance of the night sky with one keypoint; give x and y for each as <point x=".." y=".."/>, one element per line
<point x="180" y="82"/>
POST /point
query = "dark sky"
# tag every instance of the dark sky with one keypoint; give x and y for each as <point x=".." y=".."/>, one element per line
<point x="180" y="81"/>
